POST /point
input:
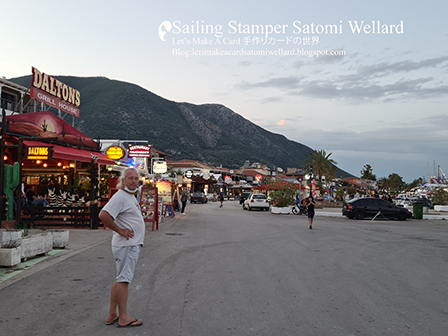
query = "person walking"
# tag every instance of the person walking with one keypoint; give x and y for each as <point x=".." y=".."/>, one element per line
<point x="221" y="198"/>
<point x="310" y="204"/>
<point x="183" y="200"/>
<point x="122" y="214"/>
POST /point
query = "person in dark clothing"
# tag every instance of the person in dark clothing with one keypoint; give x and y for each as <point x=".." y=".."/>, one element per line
<point x="310" y="207"/>
<point x="29" y="195"/>
<point x="183" y="200"/>
<point x="221" y="198"/>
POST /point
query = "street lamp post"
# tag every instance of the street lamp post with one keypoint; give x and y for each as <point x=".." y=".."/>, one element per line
<point x="311" y="180"/>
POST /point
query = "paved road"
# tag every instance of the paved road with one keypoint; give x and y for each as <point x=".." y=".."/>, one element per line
<point x="235" y="272"/>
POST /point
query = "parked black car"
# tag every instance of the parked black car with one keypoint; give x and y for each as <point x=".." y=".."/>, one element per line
<point x="360" y="208"/>
<point x="244" y="196"/>
<point x="198" y="197"/>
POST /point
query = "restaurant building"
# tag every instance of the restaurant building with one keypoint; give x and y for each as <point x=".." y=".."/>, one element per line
<point x="51" y="153"/>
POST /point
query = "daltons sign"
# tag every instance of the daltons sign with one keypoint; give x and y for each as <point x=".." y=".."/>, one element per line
<point x="52" y="92"/>
<point x="39" y="153"/>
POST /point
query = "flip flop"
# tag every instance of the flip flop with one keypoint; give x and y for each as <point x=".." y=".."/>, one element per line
<point x="130" y="324"/>
<point x="113" y="322"/>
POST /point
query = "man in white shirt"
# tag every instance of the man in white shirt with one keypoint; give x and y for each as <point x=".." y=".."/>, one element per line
<point x="122" y="214"/>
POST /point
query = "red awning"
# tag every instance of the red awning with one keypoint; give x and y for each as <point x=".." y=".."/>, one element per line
<point x="70" y="153"/>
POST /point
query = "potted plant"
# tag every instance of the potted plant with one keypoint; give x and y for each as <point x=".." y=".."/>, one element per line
<point x="36" y="243"/>
<point x="60" y="237"/>
<point x="282" y="195"/>
<point x="9" y="236"/>
<point x="11" y="250"/>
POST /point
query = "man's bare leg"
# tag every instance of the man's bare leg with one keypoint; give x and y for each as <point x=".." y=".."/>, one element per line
<point x="119" y="299"/>
<point x="113" y="313"/>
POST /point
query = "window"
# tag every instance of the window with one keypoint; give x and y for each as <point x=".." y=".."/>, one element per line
<point x="259" y="197"/>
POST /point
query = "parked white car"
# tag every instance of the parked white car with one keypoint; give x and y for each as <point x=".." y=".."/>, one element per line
<point x="256" y="201"/>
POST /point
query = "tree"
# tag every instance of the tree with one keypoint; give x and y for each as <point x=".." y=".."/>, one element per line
<point x="393" y="182"/>
<point x="367" y="173"/>
<point x="321" y="164"/>
<point x="440" y="196"/>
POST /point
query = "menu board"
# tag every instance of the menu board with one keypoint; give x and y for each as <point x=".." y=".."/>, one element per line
<point x="148" y="203"/>
<point x="164" y="188"/>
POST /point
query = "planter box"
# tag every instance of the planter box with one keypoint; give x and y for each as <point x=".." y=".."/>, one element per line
<point x="36" y="244"/>
<point x="441" y="207"/>
<point x="60" y="238"/>
<point x="10" y="256"/>
<point x="282" y="211"/>
<point x="11" y="237"/>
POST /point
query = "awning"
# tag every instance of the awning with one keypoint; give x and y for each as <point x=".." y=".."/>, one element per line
<point x="70" y="153"/>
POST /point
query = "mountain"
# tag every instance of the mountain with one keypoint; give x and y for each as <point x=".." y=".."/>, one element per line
<point x="210" y="133"/>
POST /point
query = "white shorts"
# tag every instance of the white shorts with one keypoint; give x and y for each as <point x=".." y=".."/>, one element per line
<point x="125" y="260"/>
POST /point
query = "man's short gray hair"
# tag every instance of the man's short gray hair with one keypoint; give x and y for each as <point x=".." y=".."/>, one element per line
<point x="123" y="175"/>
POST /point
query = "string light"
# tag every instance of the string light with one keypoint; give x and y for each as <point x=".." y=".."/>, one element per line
<point x="59" y="164"/>
<point x="45" y="165"/>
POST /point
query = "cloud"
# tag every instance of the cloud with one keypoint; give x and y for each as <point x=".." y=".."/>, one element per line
<point x="277" y="82"/>
<point x="329" y="58"/>
<point x="245" y="63"/>
<point x="406" y="149"/>
<point x="360" y="83"/>
<point x="388" y="68"/>
<point x="270" y="100"/>
<point x="298" y="64"/>
<point x="400" y="89"/>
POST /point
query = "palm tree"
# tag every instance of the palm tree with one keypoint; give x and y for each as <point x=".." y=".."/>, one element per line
<point x="321" y="164"/>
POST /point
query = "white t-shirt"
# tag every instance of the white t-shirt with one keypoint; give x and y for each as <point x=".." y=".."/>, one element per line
<point x="126" y="212"/>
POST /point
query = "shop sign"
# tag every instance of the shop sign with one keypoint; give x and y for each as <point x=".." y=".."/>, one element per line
<point x="115" y="153"/>
<point x="54" y="102"/>
<point x="164" y="192"/>
<point x="188" y="174"/>
<point x="39" y="153"/>
<point x="206" y="174"/>
<point x="160" y="167"/>
<point x="142" y="151"/>
<point x="227" y="179"/>
<point x="258" y="177"/>
<point x="52" y="92"/>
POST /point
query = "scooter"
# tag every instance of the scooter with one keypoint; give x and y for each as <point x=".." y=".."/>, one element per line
<point x="299" y="209"/>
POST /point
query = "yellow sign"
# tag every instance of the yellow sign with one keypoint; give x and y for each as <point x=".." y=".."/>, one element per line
<point x="39" y="153"/>
<point x="115" y="153"/>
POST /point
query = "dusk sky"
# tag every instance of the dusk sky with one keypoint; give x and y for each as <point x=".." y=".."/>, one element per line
<point x="380" y="98"/>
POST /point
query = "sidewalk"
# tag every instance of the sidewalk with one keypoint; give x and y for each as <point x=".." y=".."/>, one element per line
<point x="79" y="241"/>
